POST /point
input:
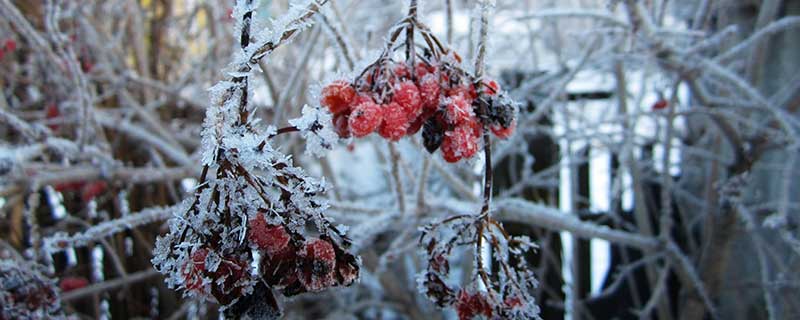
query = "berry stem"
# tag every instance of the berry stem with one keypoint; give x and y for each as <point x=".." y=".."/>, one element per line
<point x="410" y="52"/>
<point x="277" y="133"/>
<point x="487" y="176"/>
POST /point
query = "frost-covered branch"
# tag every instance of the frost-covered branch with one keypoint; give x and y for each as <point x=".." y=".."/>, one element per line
<point x="63" y="241"/>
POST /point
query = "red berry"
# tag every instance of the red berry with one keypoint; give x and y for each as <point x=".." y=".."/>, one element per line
<point x="406" y="94"/>
<point x="359" y="99"/>
<point x="199" y="258"/>
<point x="416" y="124"/>
<point x="320" y="259"/>
<point x="337" y="96"/>
<point x="401" y="71"/>
<point x="430" y="89"/>
<point x="458" y="110"/>
<point x="320" y="249"/>
<point x="459" y="143"/>
<point x="365" y="119"/>
<point x="271" y="238"/>
<point x="10" y="45"/>
<point x="501" y="132"/>
<point x="230" y="280"/>
<point x="71" y="283"/>
<point x="52" y="112"/>
<point x="423" y="69"/>
<point x="194" y="269"/>
<point x="512" y="302"/>
<point x="340" y="125"/>
<point x="469" y="305"/>
<point x="93" y="189"/>
<point x="86" y="65"/>
<point x="491" y="87"/>
<point x="468" y="92"/>
<point x="661" y="104"/>
<point x="395" y="122"/>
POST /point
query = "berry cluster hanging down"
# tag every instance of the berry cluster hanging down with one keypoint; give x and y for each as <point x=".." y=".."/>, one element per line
<point x="500" y="292"/>
<point x="256" y="224"/>
<point x="455" y="110"/>
<point x="436" y="95"/>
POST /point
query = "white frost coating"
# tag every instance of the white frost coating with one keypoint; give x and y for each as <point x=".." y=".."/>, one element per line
<point x="316" y="126"/>
<point x="287" y="21"/>
<point x="62" y="241"/>
<point x="27" y="293"/>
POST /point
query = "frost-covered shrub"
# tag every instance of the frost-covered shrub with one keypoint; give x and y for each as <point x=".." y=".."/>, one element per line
<point x="26" y="293"/>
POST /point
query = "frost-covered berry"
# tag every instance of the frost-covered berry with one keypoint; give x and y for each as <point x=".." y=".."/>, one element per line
<point x="231" y="279"/>
<point x="491" y="87"/>
<point x="501" y="132"/>
<point x="430" y="89"/>
<point x="512" y="302"/>
<point x="365" y="119"/>
<point x="459" y="143"/>
<point x="458" y="110"/>
<point x="502" y="112"/>
<point x="320" y="260"/>
<point x="340" y="125"/>
<point x="469" y="306"/>
<point x="359" y="99"/>
<point x="422" y="69"/>
<point x="194" y="270"/>
<point x="406" y="94"/>
<point x="466" y="91"/>
<point x="348" y="271"/>
<point x="395" y="122"/>
<point x="401" y="71"/>
<point x="271" y="238"/>
<point x="337" y="96"/>
<point x="416" y="124"/>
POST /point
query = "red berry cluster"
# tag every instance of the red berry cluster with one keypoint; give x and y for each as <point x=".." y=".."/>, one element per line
<point x="289" y="263"/>
<point x="437" y="97"/>
<point x="295" y="264"/>
<point x="505" y="298"/>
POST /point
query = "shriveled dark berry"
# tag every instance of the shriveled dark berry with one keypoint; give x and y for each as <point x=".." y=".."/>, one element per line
<point x="432" y="134"/>
<point x="501" y="112"/>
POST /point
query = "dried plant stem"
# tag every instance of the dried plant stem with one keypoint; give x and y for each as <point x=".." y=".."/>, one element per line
<point x="398" y="181"/>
